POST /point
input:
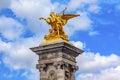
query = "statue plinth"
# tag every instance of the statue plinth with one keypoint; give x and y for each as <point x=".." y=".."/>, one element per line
<point x="57" y="61"/>
<point x="51" y="39"/>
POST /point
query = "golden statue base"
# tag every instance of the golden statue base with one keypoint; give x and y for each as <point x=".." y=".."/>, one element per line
<point x="53" y="38"/>
<point x="53" y="41"/>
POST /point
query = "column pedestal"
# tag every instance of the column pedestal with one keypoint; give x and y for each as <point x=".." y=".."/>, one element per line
<point x="57" y="61"/>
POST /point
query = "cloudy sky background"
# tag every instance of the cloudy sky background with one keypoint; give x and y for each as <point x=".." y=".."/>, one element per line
<point x="96" y="31"/>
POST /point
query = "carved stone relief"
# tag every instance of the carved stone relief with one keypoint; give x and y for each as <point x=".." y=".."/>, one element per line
<point x="52" y="75"/>
<point x="69" y="57"/>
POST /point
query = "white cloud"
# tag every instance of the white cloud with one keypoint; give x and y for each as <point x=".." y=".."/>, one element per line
<point x="97" y="67"/>
<point x="117" y="68"/>
<point x="78" y="44"/>
<point x="92" y="5"/>
<point x="95" y="62"/>
<point x="79" y="23"/>
<point x="32" y="10"/>
<point x="10" y="28"/>
<point x="17" y="56"/>
<point x="107" y="74"/>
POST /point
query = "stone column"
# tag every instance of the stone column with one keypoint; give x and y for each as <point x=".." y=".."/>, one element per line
<point x="57" y="61"/>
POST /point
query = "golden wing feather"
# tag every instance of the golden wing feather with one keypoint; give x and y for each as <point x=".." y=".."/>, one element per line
<point x="69" y="16"/>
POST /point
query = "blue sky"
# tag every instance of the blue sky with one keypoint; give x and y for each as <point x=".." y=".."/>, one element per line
<point x="96" y="31"/>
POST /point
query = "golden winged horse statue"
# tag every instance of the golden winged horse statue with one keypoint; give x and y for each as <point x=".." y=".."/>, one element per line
<point x="57" y="21"/>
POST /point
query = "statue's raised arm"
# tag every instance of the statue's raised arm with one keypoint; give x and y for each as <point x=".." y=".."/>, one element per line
<point x="46" y="19"/>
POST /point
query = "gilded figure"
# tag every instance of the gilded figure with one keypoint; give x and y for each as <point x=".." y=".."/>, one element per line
<point x="57" y="21"/>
